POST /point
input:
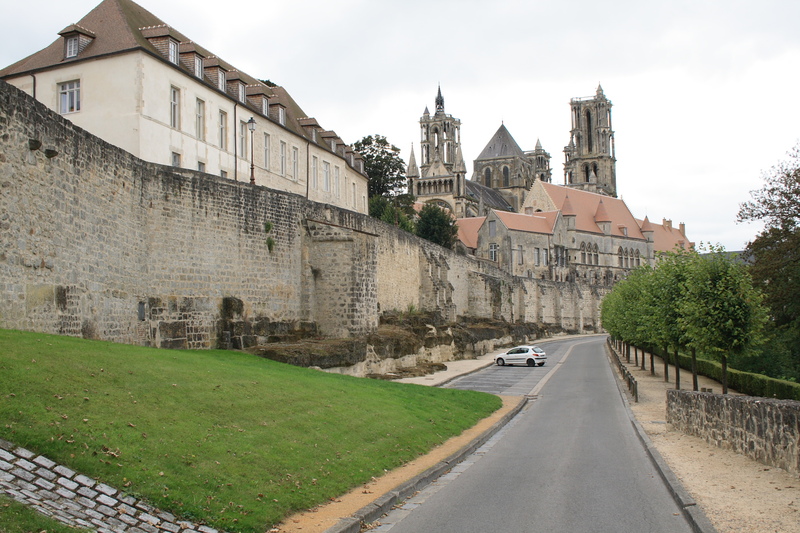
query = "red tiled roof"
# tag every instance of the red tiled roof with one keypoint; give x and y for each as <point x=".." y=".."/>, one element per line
<point x="586" y="205"/>
<point x="540" y="222"/>
<point x="468" y="230"/>
<point x="665" y="237"/>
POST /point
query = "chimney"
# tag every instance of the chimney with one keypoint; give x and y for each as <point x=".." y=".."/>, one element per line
<point x="682" y="228"/>
<point x="667" y="223"/>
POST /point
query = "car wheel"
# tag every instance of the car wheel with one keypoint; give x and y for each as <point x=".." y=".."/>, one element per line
<point x="541" y="364"/>
<point x="531" y="362"/>
<point x="500" y="361"/>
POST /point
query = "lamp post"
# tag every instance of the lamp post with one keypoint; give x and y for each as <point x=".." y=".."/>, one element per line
<point x="251" y="125"/>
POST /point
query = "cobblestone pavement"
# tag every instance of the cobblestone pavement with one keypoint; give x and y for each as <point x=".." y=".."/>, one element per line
<point x="79" y="501"/>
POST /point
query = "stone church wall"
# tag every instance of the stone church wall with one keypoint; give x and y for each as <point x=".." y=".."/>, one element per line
<point x="99" y="244"/>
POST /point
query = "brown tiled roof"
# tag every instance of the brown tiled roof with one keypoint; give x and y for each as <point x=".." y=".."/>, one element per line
<point x="468" y="230"/>
<point x="586" y="205"/>
<point x="540" y="222"/>
<point x="665" y="237"/>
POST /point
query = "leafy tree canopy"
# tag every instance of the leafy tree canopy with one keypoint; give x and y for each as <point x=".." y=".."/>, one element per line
<point x="437" y="225"/>
<point x="384" y="166"/>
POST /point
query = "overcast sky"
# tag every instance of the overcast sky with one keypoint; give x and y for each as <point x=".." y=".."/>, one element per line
<point x="705" y="92"/>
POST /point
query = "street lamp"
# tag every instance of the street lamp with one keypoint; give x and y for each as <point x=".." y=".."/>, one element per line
<point x="251" y="125"/>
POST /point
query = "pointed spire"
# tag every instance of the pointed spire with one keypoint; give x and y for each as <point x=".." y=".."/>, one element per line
<point x="646" y="225"/>
<point x="601" y="215"/>
<point x="459" y="167"/>
<point x="439" y="101"/>
<point x="426" y="112"/>
<point x="599" y="89"/>
<point x="413" y="171"/>
<point x="539" y="145"/>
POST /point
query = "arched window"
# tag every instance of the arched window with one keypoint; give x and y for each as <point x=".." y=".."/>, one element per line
<point x="596" y="256"/>
<point x="589" y="131"/>
<point x="638" y="259"/>
<point x="583" y="252"/>
<point x="620" y="258"/>
<point x="505" y="177"/>
<point x="488" y="176"/>
<point x="586" y="173"/>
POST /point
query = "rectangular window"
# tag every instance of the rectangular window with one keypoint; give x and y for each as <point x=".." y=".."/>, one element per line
<point x="493" y="251"/>
<point x="283" y="158"/>
<point x="72" y="47"/>
<point x="173" y="52"/>
<point x="336" y="181"/>
<point x="266" y="151"/>
<point x="492" y="228"/>
<point x="175" y="107"/>
<point x="520" y="256"/>
<point x="198" y="66"/>
<point x="326" y="176"/>
<point x="536" y="258"/>
<point x="314" y="181"/>
<point x="354" y="195"/>
<point x="545" y="256"/>
<point x="265" y="107"/>
<point x="242" y="96"/>
<point x="221" y="80"/>
<point x="176" y="159"/>
<point x="70" y="97"/>
<point x="281" y="116"/>
<point x="201" y="166"/>
<point x="223" y="130"/>
<point x="295" y="161"/>
<point x="243" y="139"/>
<point x="223" y="174"/>
<point x="200" y="120"/>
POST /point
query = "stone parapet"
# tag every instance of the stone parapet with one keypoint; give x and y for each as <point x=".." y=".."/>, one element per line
<point x="763" y="429"/>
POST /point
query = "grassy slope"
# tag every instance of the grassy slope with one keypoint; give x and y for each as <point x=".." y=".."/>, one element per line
<point x="218" y="436"/>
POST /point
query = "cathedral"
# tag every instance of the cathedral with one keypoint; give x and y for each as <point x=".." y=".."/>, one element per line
<point x="512" y="214"/>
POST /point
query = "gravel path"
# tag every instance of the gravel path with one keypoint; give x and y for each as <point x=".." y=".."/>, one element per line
<point x="735" y="492"/>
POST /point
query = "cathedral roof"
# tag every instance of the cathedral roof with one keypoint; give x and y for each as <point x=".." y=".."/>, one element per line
<point x="437" y="168"/>
<point x="490" y="197"/>
<point x="502" y="144"/>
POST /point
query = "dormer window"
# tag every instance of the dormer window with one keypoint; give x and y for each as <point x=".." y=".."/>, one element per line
<point x="242" y="96"/>
<point x="282" y="115"/>
<point x="314" y="135"/>
<point x="265" y="106"/>
<point x="221" y="80"/>
<point x="198" y="66"/>
<point x="173" y="51"/>
<point x="72" y="46"/>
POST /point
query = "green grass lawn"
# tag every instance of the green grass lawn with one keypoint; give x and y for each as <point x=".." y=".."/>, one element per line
<point x="220" y="437"/>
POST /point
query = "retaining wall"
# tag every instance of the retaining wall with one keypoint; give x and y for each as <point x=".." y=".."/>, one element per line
<point x="763" y="429"/>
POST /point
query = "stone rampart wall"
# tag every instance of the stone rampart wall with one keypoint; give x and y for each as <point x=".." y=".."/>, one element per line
<point x="97" y="243"/>
<point x="764" y="429"/>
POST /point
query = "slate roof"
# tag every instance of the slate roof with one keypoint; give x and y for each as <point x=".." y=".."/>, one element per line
<point x="491" y="198"/>
<point x="502" y="144"/>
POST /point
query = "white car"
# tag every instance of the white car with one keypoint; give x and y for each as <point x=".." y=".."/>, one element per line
<point x="529" y="355"/>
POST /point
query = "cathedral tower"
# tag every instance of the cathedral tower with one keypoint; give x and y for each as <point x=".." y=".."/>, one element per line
<point x="440" y="134"/>
<point x="589" y="158"/>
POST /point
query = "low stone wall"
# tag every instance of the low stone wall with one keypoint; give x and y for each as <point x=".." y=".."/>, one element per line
<point x="761" y="428"/>
<point x="80" y="501"/>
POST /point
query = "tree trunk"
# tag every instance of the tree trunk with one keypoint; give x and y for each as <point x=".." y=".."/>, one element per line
<point x="628" y="352"/>
<point x="665" y="358"/>
<point x="677" y="369"/>
<point x="635" y="356"/>
<point x="724" y="374"/>
<point x="694" y="370"/>
<point x="652" y="363"/>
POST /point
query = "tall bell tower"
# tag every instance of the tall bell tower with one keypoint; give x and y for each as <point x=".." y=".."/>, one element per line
<point x="589" y="158"/>
<point x="440" y="135"/>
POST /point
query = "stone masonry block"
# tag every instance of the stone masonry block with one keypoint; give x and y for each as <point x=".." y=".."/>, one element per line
<point x="85" y="481"/>
<point x="87" y="492"/>
<point x="25" y="454"/>
<point x="64" y="482"/>
<point x="64" y="471"/>
<point x="5" y="466"/>
<point x="44" y="484"/>
<point x="27" y="465"/>
<point x="65" y="493"/>
<point x="169" y="526"/>
<point x="105" y="489"/>
<point x="23" y="474"/>
<point x="6" y="456"/>
<point x="45" y="473"/>
<point x="44" y="461"/>
<point x="107" y="500"/>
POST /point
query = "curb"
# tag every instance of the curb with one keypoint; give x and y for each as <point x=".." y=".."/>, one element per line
<point x="383" y="504"/>
<point x="697" y="519"/>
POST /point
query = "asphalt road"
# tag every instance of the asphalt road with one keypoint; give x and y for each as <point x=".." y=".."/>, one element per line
<point x="569" y="462"/>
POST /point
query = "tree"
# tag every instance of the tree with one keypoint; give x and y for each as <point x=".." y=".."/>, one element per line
<point x="437" y="225"/>
<point x="721" y="311"/>
<point x="384" y="166"/>
<point x="385" y="209"/>
<point x="775" y="257"/>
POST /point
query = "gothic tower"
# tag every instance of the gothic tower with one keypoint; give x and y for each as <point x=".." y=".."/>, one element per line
<point x="440" y="134"/>
<point x="441" y="177"/>
<point x="589" y="158"/>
